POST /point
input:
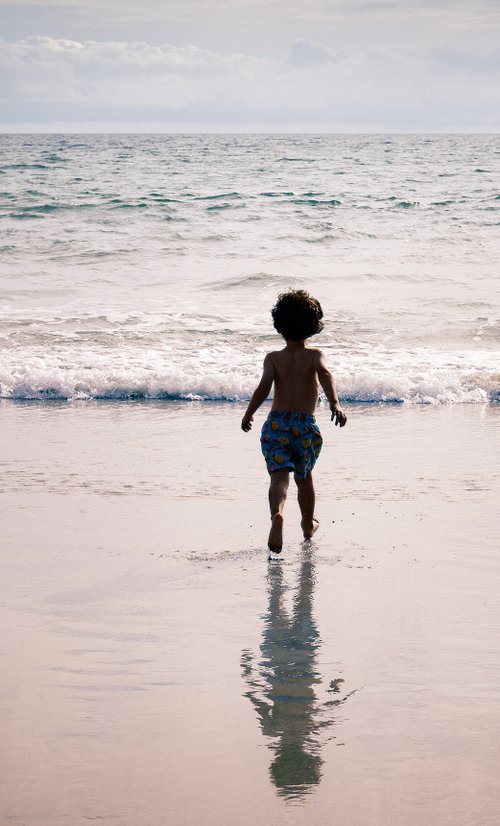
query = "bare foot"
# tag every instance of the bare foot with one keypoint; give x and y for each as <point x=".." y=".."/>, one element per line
<point x="275" y="541"/>
<point x="308" y="532"/>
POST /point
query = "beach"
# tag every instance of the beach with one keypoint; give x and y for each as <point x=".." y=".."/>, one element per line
<point x="158" y="669"/>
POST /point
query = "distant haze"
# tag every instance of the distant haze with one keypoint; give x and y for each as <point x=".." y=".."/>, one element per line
<point x="378" y="65"/>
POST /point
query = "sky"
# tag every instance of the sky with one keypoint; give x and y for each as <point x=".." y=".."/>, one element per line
<point x="250" y="65"/>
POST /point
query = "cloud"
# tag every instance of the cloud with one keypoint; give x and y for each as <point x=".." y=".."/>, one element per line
<point x="304" y="54"/>
<point x="54" y="79"/>
<point x="43" y="68"/>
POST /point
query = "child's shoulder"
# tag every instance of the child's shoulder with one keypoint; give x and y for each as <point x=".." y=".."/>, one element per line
<point x="273" y="354"/>
<point x="316" y="354"/>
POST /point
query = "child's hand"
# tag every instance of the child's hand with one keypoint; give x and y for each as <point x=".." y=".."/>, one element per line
<point x="246" y="423"/>
<point x="338" y="415"/>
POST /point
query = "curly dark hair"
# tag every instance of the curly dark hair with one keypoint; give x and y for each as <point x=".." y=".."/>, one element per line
<point x="297" y="315"/>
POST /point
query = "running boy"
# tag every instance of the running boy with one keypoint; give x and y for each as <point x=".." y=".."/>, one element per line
<point x="291" y="439"/>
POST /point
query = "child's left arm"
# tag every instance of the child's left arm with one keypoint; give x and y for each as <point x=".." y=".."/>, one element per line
<point x="260" y="394"/>
<point x="328" y="384"/>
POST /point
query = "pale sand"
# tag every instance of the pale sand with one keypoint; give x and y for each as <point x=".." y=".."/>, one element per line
<point x="136" y="593"/>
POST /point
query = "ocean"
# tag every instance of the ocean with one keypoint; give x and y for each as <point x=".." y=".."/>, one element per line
<point x="145" y="266"/>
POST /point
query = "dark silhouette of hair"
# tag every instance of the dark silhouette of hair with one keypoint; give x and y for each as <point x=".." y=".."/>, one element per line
<point x="297" y="315"/>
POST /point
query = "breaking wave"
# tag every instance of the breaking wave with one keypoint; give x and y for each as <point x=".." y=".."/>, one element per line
<point x="136" y="376"/>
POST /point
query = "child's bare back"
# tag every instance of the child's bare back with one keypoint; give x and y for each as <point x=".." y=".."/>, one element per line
<point x="295" y="373"/>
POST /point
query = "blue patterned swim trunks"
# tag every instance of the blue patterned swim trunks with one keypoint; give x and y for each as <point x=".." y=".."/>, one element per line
<point x="291" y="440"/>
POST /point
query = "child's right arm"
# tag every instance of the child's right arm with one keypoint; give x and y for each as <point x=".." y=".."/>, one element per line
<point x="260" y="394"/>
<point x="328" y="384"/>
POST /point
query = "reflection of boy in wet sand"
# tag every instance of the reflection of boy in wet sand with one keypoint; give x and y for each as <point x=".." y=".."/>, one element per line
<point x="281" y="685"/>
<point x="291" y="439"/>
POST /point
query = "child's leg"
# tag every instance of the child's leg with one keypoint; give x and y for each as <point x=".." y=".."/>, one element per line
<point x="307" y="501"/>
<point x="278" y="488"/>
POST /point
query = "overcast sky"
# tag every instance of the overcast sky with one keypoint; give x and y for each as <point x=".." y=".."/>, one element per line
<point x="333" y="65"/>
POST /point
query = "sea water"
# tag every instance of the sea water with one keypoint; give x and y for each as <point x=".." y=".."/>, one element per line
<point x="145" y="266"/>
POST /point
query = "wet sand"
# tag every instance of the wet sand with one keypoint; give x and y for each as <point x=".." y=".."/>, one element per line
<point x="158" y="670"/>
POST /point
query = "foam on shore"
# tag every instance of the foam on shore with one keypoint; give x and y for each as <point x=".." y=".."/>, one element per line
<point x="416" y="377"/>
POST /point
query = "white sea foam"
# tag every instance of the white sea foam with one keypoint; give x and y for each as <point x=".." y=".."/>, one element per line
<point x="223" y="375"/>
